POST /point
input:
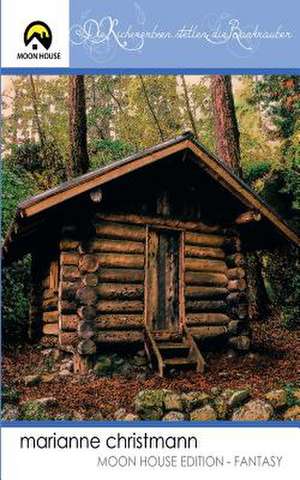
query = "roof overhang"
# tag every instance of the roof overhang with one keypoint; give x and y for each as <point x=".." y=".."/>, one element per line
<point x="36" y="206"/>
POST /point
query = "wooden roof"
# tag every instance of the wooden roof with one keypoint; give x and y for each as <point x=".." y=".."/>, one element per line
<point x="37" y="206"/>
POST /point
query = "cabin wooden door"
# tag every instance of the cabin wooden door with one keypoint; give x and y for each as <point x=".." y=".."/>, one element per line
<point x="163" y="279"/>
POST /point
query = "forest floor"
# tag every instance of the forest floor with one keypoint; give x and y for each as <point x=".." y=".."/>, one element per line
<point x="274" y="362"/>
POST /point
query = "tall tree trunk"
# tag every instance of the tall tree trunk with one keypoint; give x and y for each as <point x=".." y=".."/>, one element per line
<point x="228" y="149"/>
<point x="188" y="106"/>
<point x="226" y="127"/>
<point x="152" y="111"/>
<point x="37" y="120"/>
<point x="78" y="161"/>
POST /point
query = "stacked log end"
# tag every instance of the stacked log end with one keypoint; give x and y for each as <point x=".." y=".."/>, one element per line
<point x="215" y="287"/>
<point x="69" y="283"/>
<point x="44" y="300"/>
<point x="237" y="299"/>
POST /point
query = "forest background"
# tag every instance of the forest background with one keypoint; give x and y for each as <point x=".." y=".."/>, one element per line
<point x="54" y="128"/>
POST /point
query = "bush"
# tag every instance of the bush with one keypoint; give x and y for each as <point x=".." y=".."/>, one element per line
<point x="32" y="410"/>
<point x="9" y="395"/>
<point x="17" y="185"/>
<point x="255" y="171"/>
<point x="104" y="152"/>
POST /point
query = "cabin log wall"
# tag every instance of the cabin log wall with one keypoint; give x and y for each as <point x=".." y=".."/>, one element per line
<point x="119" y="247"/>
<point x="101" y="297"/>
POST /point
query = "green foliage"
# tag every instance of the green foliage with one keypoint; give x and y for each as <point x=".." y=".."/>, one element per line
<point x="9" y="395"/>
<point x="282" y="190"/>
<point x="104" y="152"/>
<point x="256" y="170"/>
<point x="255" y="139"/>
<point x="283" y="278"/>
<point x="17" y="185"/>
<point x="290" y="389"/>
<point x="43" y="162"/>
<point x="32" y="410"/>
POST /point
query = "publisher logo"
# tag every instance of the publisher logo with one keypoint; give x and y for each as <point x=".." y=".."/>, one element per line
<point x="35" y="33"/>
<point x="38" y="40"/>
<point x="38" y="34"/>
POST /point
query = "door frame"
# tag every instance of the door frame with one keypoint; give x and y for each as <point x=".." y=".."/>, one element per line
<point x="181" y="266"/>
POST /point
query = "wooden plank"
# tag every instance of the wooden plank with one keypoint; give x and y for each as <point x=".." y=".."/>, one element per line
<point x="50" y="317"/>
<point x="171" y="281"/>
<point x="119" y="337"/>
<point x="206" y="332"/>
<point x="146" y="293"/>
<point x="117" y="306"/>
<point x="201" y="265"/>
<point x="181" y="281"/>
<point x="204" y="240"/>
<point x="68" y="244"/>
<point x="206" y="306"/>
<point x="193" y="319"/>
<point x="152" y="278"/>
<point x="194" y="350"/>
<point x="162" y="222"/>
<point x="123" y="260"/>
<point x="204" y="252"/>
<point x="122" y="231"/>
<point x="206" y="278"/>
<point x="69" y="258"/>
<point x="108" y="245"/>
<point x="54" y="276"/>
<point x="119" y="322"/>
<point x="123" y="291"/>
<point x="46" y="294"/>
<point x="120" y="275"/>
<point x="152" y="352"/>
<point x="196" y="292"/>
<point x="50" y="329"/>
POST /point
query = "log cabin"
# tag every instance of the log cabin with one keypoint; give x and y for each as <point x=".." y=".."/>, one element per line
<point x="149" y="250"/>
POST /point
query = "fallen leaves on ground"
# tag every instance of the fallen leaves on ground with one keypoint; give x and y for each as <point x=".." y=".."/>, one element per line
<point x="275" y="362"/>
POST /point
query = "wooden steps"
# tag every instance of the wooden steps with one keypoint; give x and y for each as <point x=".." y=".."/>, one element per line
<point x="169" y="351"/>
<point x="173" y="350"/>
